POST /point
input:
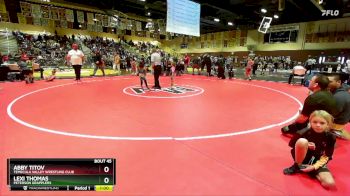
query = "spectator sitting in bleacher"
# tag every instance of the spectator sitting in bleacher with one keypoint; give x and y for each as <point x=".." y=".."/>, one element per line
<point x="4" y="59"/>
<point x="26" y="73"/>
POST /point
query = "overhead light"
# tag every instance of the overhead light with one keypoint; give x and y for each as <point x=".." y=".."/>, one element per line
<point x="143" y="0"/>
<point x="94" y="19"/>
<point x="148" y="13"/>
<point x="263" y="10"/>
<point x="276" y="16"/>
<point x="216" y="20"/>
<point x="230" y="23"/>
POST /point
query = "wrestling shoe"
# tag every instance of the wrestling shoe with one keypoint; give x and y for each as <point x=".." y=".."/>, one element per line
<point x="285" y="130"/>
<point x="292" y="170"/>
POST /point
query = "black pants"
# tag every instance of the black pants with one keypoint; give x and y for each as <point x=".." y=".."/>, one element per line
<point x="143" y="79"/>
<point x="255" y="67"/>
<point x="77" y="69"/>
<point x="291" y="77"/>
<point x="41" y="72"/>
<point x="25" y="73"/>
<point x="101" y="67"/>
<point x="157" y="72"/>
<point x="209" y="70"/>
<point x="295" y="127"/>
<point x="231" y="74"/>
<point x="221" y="74"/>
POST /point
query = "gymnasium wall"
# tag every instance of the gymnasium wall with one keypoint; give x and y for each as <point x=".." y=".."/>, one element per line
<point x="34" y="29"/>
<point x="327" y="36"/>
<point x="313" y="38"/>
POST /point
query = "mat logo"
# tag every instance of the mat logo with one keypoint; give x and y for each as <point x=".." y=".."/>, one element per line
<point x="182" y="91"/>
<point x="171" y="90"/>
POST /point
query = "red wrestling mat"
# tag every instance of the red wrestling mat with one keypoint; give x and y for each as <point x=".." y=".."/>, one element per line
<point x="205" y="136"/>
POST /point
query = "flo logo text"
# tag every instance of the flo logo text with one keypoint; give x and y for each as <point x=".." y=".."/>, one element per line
<point x="330" y="12"/>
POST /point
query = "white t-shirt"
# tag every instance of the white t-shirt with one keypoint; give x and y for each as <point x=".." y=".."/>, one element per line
<point x="299" y="70"/>
<point x="348" y="65"/>
<point x="156" y="59"/>
<point x="76" y="57"/>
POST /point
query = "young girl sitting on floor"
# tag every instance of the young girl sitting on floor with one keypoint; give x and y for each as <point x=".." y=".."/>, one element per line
<point x="312" y="149"/>
<point x="51" y="77"/>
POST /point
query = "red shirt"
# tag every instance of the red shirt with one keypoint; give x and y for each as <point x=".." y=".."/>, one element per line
<point x="187" y="60"/>
<point x="5" y="58"/>
<point x="250" y="64"/>
<point x="24" y="57"/>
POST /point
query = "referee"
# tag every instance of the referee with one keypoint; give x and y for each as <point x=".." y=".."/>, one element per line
<point x="156" y="61"/>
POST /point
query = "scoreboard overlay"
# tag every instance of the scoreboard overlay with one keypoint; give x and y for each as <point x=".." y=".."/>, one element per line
<point x="96" y="174"/>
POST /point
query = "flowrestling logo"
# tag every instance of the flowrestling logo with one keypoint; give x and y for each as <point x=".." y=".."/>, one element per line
<point x="330" y="12"/>
<point x="167" y="92"/>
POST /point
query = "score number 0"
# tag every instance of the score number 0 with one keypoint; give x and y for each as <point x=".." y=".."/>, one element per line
<point x="106" y="170"/>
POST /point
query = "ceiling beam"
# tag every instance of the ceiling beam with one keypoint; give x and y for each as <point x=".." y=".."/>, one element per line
<point x="320" y="7"/>
<point x="221" y="9"/>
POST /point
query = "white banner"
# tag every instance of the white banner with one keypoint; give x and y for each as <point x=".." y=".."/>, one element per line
<point x="21" y="18"/>
<point x="98" y="19"/>
<point x="26" y="8"/>
<point x="36" y="11"/>
<point x="45" y="11"/>
<point x="129" y="25"/>
<point x="69" y="15"/>
<point x="104" y="20"/>
<point x="114" y="22"/>
<point x="80" y="16"/>
<point x="90" y="18"/>
<point x="62" y="14"/>
<point x="122" y="24"/>
<point x="138" y="26"/>
<point x="54" y="13"/>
